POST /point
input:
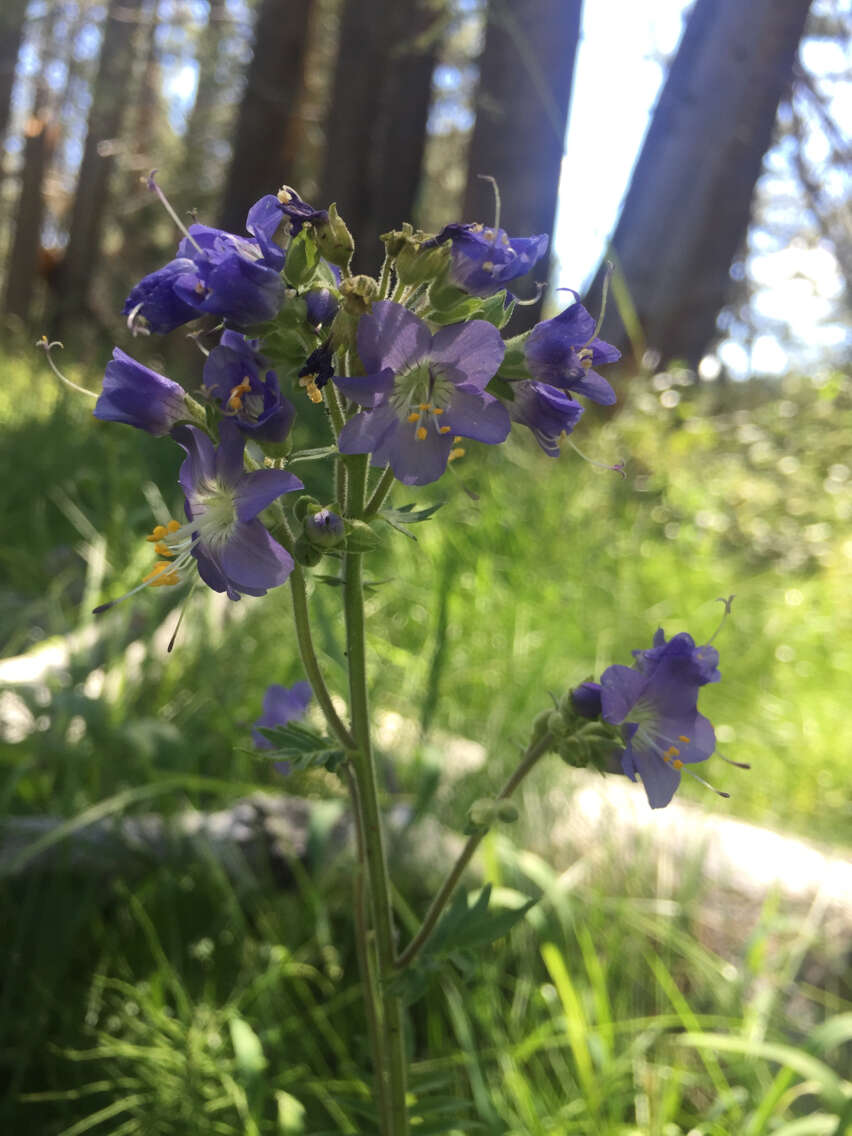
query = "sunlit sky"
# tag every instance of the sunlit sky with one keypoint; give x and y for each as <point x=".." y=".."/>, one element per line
<point x="616" y="83"/>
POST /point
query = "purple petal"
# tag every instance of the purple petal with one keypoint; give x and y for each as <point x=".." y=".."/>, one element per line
<point x="593" y="386"/>
<point x="200" y="463"/>
<point x="366" y="390"/>
<point x="229" y="455"/>
<point x="475" y="414"/>
<point x="620" y="687"/>
<point x="280" y="706"/>
<point x="391" y="336"/>
<point x="366" y="431"/>
<point x="659" y="780"/>
<point x="413" y="461"/>
<point x="468" y="352"/>
<point x="262" y="221"/>
<point x="260" y="488"/>
<point x="253" y="562"/>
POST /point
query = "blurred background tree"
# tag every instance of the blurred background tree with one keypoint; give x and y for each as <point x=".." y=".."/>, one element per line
<point x="394" y="110"/>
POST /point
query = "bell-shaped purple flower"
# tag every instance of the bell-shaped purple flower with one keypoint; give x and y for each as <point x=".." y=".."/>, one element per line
<point x="238" y="377"/>
<point x="234" y="552"/>
<point x="562" y="352"/>
<point x="548" y="412"/>
<point x="484" y="260"/>
<point x="280" y="706"/>
<point x="699" y="663"/>
<point x="421" y="392"/>
<point x="216" y="273"/>
<point x="140" y="397"/>
<point x="656" y="706"/>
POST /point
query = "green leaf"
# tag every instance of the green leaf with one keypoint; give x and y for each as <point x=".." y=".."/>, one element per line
<point x="303" y="748"/>
<point x="291" y="1114"/>
<point x="408" y="515"/>
<point x="247" y="1049"/>
<point x="496" y="311"/>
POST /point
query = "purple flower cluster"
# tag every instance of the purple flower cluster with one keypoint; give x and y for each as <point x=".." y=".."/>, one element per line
<point x="239" y="379"/>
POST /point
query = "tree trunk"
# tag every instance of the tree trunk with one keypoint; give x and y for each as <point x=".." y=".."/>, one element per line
<point x="12" y="19"/>
<point x="688" y="206"/>
<point x="273" y="84"/>
<point x="109" y="98"/>
<point x="526" y="73"/>
<point x="376" y="130"/>
<point x="198" y="157"/>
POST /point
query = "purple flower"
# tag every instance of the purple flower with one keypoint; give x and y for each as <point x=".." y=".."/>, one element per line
<point x="656" y="706"/>
<point x="548" y="412"/>
<point x="139" y="396"/>
<point x="215" y="273"/>
<point x="281" y="706"/>
<point x="701" y="664"/>
<point x="298" y="211"/>
<point x="236" y="375"/>
<point x="233" y="551"/>
<point x="484" y="260"/>
<point x="422" y="391"/>
<point x="586" y="699"/>
<point x="563" y="350"/>
<point x="322" y="304"/>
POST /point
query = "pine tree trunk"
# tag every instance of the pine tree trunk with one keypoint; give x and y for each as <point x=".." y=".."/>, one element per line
<point x="376" y="130"/>
<point x="688" y="206"/>
<point x="12" y="19"/>
<point x="109" y="98"/>
<point x="196" y="173"/>
<point x="273" y="84"/>
<point x="526" y="73"/>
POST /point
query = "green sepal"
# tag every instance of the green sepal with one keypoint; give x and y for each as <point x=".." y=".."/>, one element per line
<point x="288" y="340"/>
<point x="500" y="388"/>
<point x="514" y="364"/>
<point x="302" y="259"/>
<point x="306" y="553"/>
<point x="495" y="309"/>
<point x="302" y="747"/>
<point x="444" y="296"/>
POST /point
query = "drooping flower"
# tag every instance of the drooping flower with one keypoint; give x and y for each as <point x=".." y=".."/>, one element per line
<point x="214" y="273"/>
<point x="421" y="391"/>
<point x="140" y="397"/>
<point x="239" y="378"/>
<point x="700" y="663"/>
<point x="656" y="707"/>
<point x="549" y="413"/>
<point x="562" y="351"/>
<point x="484" y="260"/>
<point x="280" y="706"/>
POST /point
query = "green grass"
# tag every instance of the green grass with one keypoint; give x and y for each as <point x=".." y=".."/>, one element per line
<point x="194" y="995"/>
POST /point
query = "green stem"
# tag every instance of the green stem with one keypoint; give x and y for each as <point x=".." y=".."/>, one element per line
<point x="369" y="799"/>
<point x="532" y="755"/>
<point x="310" y="661"/>
<point x="381" y="491"/>
<point x="375" y="1028"/>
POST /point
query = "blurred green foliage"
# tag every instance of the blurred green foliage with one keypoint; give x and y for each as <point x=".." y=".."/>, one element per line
<point x="198" y="996"/>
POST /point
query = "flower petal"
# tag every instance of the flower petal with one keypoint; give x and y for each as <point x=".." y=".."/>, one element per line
<point x="200" y="463"/>
<point x="366" y="390"/>
<point x="253" y="562"/>
<point x="660" y="780"/>
<point x="468" y="352"/>
<point x="391" y="336"/>
<point x="475" y="414"/>
<point x="366" y="431"/>
<point x="620" y="687"/>
<point x="260" y="488"/>
<point x="413" y="461"/>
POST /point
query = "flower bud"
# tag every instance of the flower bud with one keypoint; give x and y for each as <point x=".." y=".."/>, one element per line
<point x="358" y="293"/>
<point x="541" y="724"/>
<point x="556" y="724"/>
<point x="585" y="699"/>
<point x="304" y="505"/>
<point x="334" y="239"/>
<point x="413" y="263"/>
<point x="481" y="813"/>
<point x="507" y="812"/>
<point x="324" y="528"/>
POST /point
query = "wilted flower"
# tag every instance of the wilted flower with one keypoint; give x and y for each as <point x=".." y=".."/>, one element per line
<point x="237" y="376"/>
<point x="140" y="397"/>
<point x="562" y="351"/>
<point x="484" y="260"/>
<point x="422" y="392"/>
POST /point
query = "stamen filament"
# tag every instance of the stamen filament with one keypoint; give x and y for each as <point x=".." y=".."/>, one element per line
<point x="47" y="347"/>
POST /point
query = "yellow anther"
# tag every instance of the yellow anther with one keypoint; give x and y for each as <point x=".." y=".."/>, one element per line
<point x="682" y="738"/>
<point x="284" y="196"/>
<point x="425" y="406"/>
<point x="162" y="575"/>
<point x="420" y="433"/>
<point x="313" y="392"/>
<point x="677" y="764"/>
<point x="162" y="549"/>
<point x="172" y="526"/>
<point x="672" y="751"/>
<point x="457" y="438"/>
<point x="235" y="402"/>
<point x="504" y="240"/>
<point x="455" y="454"/>
<point x="414" y="416"/>
<point x="443" y="429"/>
<point x="437" y="409"/>
<point x="488" y="265"/>
<point x="158" y="533"/>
